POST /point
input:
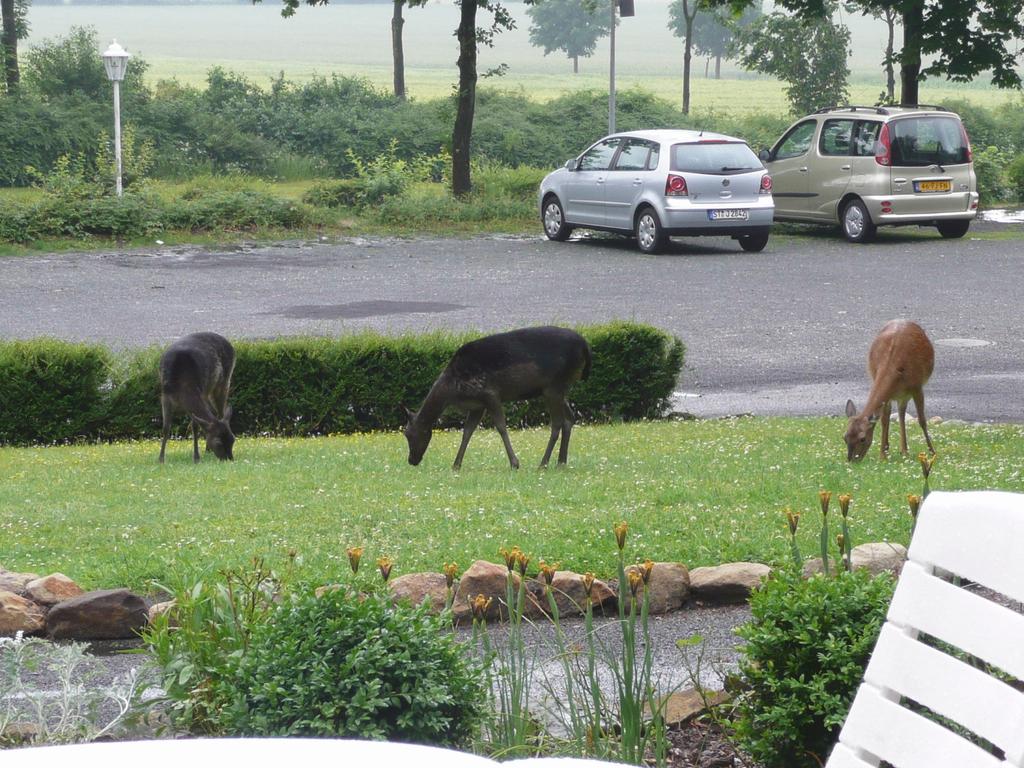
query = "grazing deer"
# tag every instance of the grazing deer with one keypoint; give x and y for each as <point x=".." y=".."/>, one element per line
<point x="195" y="376"/>
<point x="900" y="362"/>
<point x="485" y="373"/>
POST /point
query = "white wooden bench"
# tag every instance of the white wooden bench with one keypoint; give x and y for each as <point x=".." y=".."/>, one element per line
<point x="976" y="536"/>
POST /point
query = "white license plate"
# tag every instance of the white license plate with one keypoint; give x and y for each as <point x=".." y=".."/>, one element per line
<point x="722" y="214"/>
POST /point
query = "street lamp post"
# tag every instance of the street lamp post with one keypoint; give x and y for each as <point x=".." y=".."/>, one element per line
<point x="115" y="61"/>
<point x="624" y="8"/>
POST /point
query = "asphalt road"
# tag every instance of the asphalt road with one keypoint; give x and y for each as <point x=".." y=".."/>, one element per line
<point x="785" y="331"/>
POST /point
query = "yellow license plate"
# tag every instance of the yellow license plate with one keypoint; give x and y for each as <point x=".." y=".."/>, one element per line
<point x="933" y="186"/>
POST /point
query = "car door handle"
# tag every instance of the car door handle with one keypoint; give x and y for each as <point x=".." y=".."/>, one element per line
<point x="844" y="168"/>
<point x="804" y="169"/>
<point x="637" y="182"/>
<point x="600" y="180"/>
<point x="899" y="181"/>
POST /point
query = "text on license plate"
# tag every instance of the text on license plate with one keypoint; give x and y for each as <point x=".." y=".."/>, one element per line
<point x="728" y="213"/>
<point x="932" y="186"/>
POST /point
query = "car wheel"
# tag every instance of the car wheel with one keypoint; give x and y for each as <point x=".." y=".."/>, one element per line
<point x="553" y="219"/>
<point x="857" y="224"/>
<point x="649" y="234"/>
<point x="754" y="243"/>
<point x="953" y="228"/>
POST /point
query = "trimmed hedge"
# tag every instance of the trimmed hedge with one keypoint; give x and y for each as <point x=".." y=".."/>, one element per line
<point x="53" y="391"/>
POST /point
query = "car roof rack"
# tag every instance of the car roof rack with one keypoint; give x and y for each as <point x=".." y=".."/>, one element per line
<point x="853" y="108"/>
<point x="936" y="107"/>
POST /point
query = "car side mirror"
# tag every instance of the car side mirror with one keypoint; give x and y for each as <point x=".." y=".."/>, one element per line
<point x="764" y="155"/>
<point x="570" y="165"/>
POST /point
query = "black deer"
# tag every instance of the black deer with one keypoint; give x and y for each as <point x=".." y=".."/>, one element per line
<point x="485" y="373"/>
<point x="195" y="376"/>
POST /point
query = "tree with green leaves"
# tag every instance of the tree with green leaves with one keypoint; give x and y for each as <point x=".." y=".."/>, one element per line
<point x="682" y="15"/>
<point x="713" y="31"/>
<point x="397" y="25"/>
<point x="963" y="37"/>
<point x="14" y="28"/>
<point x="884" y="11"/>
<point x="809" y="54"/>
<point x="571" y="26"/>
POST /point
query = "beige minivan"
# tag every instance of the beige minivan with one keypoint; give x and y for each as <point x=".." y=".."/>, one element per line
<point x="864" y="167"/>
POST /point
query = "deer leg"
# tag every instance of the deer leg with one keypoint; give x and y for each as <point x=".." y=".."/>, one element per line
<point x="568" y="417"/>
<point x="472" y="422"/>
<point x="195" y="440"/>
<point x="903" y="427"/>
<point x="557" y="420"/>
<point x="165" y="407"/>
<point x="886" y="413"/>
<point x="919" y="407"/>
<point x="498" y="417"/>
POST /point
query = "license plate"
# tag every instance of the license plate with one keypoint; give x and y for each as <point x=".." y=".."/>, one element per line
<point x="728" y="213"/>
<point x="933" y="186"/>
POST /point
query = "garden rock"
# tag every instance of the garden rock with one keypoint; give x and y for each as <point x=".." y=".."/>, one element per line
<point x="52" y="589"/>
<point x="682" y="706"/>
<point x="417" y="588"/>
<point x="728" y="583"/>
<point x="108" y="614"/>
<point x="571" y="595"/>
<point x="876" y="557"/>
<point x="667" y="589"/>
<point x="489" y="579"/>
<point x="19" y="615"/>
<point x="11" y="581"/>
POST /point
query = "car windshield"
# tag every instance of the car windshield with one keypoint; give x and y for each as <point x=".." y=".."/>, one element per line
<point x="923" y="141"/>
<point x="715" y="157"/>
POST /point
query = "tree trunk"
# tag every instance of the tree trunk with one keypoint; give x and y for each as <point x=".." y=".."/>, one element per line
<point x="466" y="99"/>
<point x="687" y="55"/>
<point x="718" y="67"/>
<point x="910" y="67"/>
<point x="707" y="67"/>
<point x="890" y="76"/>
<point x="575" y="65"/>
<point x="397" y="53"/>
<point x="9" y="45"/>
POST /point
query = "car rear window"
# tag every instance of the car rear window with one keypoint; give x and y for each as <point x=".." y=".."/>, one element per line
<point x="927" y="140"/>
<point x="718" y="157"/>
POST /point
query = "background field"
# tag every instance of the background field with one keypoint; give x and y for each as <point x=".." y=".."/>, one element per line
<point x="699" y="492"/>
<point x="183" y="42"/>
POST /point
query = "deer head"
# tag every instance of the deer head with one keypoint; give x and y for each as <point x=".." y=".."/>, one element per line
<point x="219" y="438"/>
<point x="860" y="430"/>
<point x="417" y="435"/>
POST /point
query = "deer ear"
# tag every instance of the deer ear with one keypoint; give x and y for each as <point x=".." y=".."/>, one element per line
<point x="409" y="415"/>
<point x="851" y="409"/>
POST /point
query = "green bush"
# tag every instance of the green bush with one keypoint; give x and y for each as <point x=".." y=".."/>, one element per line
<point x="1015" y="173"/>
<point x="50" y="391"/>
<point x="990" y="166"/>
<point x="308" y="386"/>
<point x="805" y="651"/>
<point x="339" y="193"/>
<point x="356" y="666"/>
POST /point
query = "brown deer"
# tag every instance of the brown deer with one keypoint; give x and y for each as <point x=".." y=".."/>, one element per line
<point x="900" y="363"/>
<point x="485" y="373"/>
<point x="195" y="376"/>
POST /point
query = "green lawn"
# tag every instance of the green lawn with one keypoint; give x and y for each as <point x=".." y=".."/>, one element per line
<point x="700" y="492"/>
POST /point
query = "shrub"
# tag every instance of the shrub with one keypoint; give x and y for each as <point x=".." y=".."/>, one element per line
<point x="355" y="666"/>
<point x="805" y="651"/>
<point x="990" y="166"/>
<point x="1015" y="172"/>
<point x="50" y="391"/>
<point x="308" y="386"/>
<point x="340" y="193"/>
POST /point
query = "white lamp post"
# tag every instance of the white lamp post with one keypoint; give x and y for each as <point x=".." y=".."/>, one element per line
<point x="115" y="61"/>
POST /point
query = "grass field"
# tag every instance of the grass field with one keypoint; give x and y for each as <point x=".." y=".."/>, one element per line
<point x="183" y="42"/>
<point x="698" y="492"/>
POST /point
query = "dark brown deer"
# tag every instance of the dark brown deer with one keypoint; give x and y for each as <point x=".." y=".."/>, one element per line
<point x="485" y="373"/>
<point x="900" y="363"/>
<point x="195" y="377"/>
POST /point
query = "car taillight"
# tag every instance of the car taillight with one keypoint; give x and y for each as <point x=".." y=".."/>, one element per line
<point x="967" y="143"/>
<point x="883" y="147"/>
<point x="766" y="185"/>
<point x="675" y="186"/>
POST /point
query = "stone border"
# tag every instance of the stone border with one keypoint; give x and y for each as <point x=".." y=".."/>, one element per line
<point x="57" y="607"/>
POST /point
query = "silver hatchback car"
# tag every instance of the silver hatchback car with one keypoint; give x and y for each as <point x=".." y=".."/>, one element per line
<point x="656" y="184"/>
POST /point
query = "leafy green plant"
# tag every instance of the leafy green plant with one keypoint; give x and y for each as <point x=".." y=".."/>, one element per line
<point x="990" y="166"/>
<point x="804" y="654"/>
<point x="198" y="641"/>
<point x="355" y="665"/>
<point x="1015" y="173"/>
